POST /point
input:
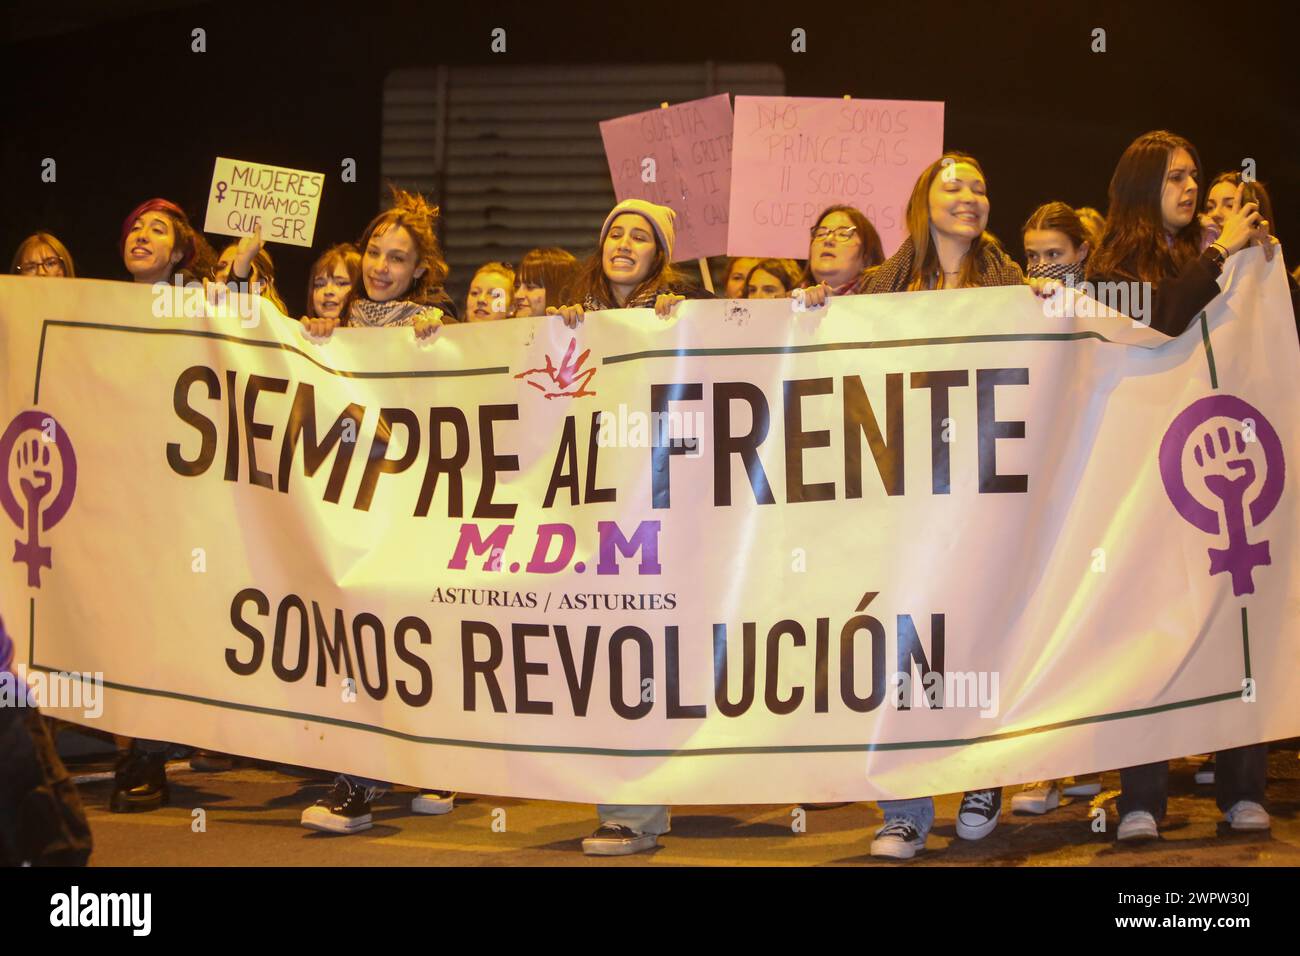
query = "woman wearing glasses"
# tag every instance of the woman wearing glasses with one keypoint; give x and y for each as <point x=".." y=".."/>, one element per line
<point x="843" y="246"/>
<point x="41" y="254"/>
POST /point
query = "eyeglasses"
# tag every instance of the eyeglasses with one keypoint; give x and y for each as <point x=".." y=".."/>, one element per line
<point x="45" y="265"/>
<point x="843" y="233"/>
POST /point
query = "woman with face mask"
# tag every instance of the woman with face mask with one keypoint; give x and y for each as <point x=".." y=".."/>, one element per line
<point x="1153" y="235"/>
<point x="402" y="274"/>
<point x="331" y="278"/>
<point x="543" y="279"/>
<point x="632" y="268"/>
<point x="41" y="254"/>
<point x="946" y="247"/>
<point x="1057" y="244"/>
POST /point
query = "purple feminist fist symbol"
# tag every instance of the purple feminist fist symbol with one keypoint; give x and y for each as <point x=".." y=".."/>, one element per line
<point x="1222" y="462"/>
<point x="25" y="453"/>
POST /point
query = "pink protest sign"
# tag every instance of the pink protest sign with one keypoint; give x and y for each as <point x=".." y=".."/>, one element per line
<point x="678" y="157"/>
<point x="794" y="156"/>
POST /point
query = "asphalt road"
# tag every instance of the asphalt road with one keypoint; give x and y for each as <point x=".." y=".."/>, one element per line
<point x="250" y="818"/>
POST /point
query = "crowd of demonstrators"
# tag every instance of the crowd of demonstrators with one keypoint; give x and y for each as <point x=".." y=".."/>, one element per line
<point x="1162" y="227"/>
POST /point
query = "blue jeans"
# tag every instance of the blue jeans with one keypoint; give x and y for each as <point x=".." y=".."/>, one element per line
<point x="919" y="811"/>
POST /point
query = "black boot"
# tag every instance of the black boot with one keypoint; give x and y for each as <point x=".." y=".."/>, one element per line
<point x="140" y="782"/>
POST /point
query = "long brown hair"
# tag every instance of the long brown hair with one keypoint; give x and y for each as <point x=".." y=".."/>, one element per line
<point x="1134" y="246"/>
<point x="925" y="261"/>
<point x="592" y="283"/>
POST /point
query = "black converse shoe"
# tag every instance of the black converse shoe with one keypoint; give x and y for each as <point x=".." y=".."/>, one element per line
<point x="614" y="839"/>
<point x="979" y="812"/>
<point x="345" y="810"/>
<point x="898" y="839"/>
<point x="140" y="782"/>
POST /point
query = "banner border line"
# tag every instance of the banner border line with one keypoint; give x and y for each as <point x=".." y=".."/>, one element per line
<point x="613" y="752"/>
<point x="855" y="346"/>
<point x="256" y="343"/>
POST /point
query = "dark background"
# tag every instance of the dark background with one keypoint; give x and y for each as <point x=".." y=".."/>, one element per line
<point x="114" y="93"/>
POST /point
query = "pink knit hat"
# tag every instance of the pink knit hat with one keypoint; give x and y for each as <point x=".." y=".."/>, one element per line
<point x="661" y="218"/>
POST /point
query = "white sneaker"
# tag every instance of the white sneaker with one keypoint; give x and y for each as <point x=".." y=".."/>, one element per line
<point x="1037" y="798"/>
<point x="614" y="839"/>
<point x="1138" y="825"/>
<point x="1247" y="815"/>
<point x="1205" y="773"/>
<point x="898" y="839"/>
<point x="1088" y="786"/>
<point x="434" y="802"/>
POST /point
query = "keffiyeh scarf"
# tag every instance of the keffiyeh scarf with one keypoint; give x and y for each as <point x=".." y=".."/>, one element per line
<point x="995" y="267"/>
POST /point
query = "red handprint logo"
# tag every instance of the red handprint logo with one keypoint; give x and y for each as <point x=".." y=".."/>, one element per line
<point x="34" y="448"/>
<point x="568" y="380"/>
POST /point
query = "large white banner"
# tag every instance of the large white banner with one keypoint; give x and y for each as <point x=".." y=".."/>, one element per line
<point x="488" y="563"/>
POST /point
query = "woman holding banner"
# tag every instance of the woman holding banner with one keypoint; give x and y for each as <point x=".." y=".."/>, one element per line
<point x="632" y="268"/>
<point x="158" y="244"/>
<point x="543" y="280"/>
<point x="1153" y="235"/>
<point x="843" y="245"/>
<point x="946" y="248"/>
<point x="402" y="272"/>
<point x="331" y="278"/>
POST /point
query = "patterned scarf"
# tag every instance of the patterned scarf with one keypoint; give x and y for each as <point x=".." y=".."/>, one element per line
<point x="995" y="267"/>
<point x="374" y="315"/>
<point x="1070" y="273"/>
<point x="645" y="300"/>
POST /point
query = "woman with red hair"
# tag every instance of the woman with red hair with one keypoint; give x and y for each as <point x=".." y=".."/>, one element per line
<point x="158" y="243"/>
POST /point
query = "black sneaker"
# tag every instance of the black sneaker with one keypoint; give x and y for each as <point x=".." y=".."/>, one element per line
<point x="346" y="809"/>
<point x="614" y="839"/>
<point x="140" y="782"/>
<point x="898" y="839"/>
<point x="978" y="814"/>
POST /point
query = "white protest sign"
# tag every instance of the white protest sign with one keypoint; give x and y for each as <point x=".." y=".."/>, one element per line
<point x="284" y="202"/>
